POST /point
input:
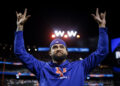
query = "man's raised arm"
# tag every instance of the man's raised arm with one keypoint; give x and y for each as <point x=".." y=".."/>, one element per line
<point x="103" y="47"/>
<point x="30" y="62"/>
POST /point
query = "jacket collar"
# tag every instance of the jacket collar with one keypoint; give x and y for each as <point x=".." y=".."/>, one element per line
<point x="61" y="65"/>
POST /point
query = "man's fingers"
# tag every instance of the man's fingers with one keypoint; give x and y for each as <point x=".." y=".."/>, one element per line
<point x="19" y="15"/>
<point x="101" y="15"/>
<point x="25" y="12"/>
<point x="104" y="14"/>
<point x="28" y="16"/>
<point x="22" y="18"/>
<point x="96" y="18"/>
<point x="97" y="12"/>
<point x="16" y="13"/>
<point x="100" y="18"/>
<point x="93" y="15"/>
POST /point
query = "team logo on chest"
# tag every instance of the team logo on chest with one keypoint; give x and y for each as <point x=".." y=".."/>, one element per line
<point x="58" y="71"/>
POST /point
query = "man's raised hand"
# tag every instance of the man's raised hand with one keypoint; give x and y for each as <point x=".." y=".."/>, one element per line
<point x="100" y="18"/>
<point x="22" y="18"/>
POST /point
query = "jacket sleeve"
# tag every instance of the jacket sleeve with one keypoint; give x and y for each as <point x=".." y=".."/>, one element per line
<point x="101" y="52"/>
<point x="28" y="60"/>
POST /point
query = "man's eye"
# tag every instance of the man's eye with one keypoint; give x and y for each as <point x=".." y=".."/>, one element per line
<point x="54" y="47"/>
<point x="61" y="46"/>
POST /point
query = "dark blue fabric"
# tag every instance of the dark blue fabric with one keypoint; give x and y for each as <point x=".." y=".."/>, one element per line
<point x="66" y="74"/>
<point x="57" y="41"/>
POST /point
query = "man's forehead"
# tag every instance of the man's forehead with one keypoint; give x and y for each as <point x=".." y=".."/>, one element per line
<point x="58" y="45"/>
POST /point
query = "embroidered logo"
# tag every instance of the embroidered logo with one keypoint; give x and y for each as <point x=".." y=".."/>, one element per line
<point x="58" y="71"/>
<point x="57" y="41"/>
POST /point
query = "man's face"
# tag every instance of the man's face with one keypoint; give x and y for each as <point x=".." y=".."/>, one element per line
<point x="58" y="52"/>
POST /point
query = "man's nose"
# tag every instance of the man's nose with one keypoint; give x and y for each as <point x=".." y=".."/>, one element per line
<point x="59" y="48"/>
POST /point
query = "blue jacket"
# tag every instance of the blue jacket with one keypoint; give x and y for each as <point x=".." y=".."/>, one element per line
<point x="66" y="74"/>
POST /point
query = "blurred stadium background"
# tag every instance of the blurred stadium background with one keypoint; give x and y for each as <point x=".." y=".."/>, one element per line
<point x="38" y="32"/>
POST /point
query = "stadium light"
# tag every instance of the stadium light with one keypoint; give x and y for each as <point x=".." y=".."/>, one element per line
<point x="78" y="36"/>
<point x="69" y="49"/>
<point x="65" y="36"/>
<point x="59" y="33"/>
<point x="69" y="33"/>
<point x="29" y="49"/>
<point x="35" y="49"/>
<point x="72" y="33"/>
<point x="53" y="36"/>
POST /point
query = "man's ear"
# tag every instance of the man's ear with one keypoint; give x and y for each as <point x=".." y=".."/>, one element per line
<point x="50" y="52"/>
<point x="67" y="51"/>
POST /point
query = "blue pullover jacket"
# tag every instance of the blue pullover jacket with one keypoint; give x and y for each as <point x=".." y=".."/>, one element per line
<point x="67" y="73"/>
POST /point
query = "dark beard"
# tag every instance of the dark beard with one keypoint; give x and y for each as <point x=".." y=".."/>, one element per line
<point x="59" y="58"/>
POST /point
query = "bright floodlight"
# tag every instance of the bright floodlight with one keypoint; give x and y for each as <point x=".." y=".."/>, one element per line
<point x="59" y="33"/>
<point x="53" y="35"/>
<point x="78" y="36"/>
<point x="65" y="36"/>
<point x="71" y="33"/>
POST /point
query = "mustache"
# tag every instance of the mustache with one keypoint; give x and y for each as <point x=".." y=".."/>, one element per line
<point x="59" y="51"/>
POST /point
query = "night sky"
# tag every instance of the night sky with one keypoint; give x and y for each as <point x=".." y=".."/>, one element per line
<point x="45" y="18"/>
